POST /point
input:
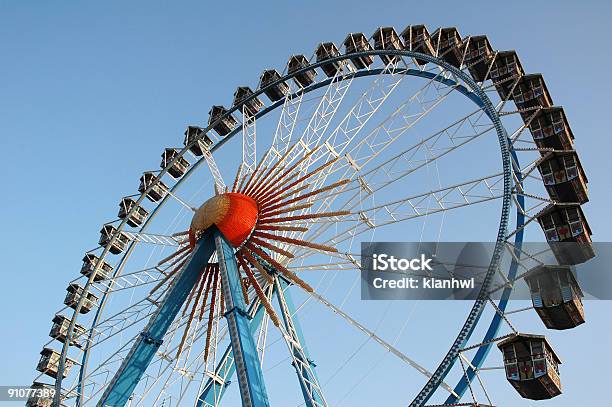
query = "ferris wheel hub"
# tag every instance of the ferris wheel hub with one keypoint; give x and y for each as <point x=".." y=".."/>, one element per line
<point x="233" y="213"/>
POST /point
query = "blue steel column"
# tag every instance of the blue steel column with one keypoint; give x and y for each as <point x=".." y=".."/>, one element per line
<point x="214" y="389"/>
<point x="304" y="367"/>
<point x="246" y="359"/>
<point x="126" y="379"/>
<point x="296" y="321"/>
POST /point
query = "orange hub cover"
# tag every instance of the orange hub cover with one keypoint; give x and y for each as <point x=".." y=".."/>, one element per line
<point x="234" y="214"/>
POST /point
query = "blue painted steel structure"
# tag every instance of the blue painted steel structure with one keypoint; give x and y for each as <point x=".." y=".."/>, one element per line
<point x="304" y="366"/>
<point x="214" y="389"/>
<point x="134" y="365"/>
<point x="244" y="351"/>
<point x="296" y="322"/>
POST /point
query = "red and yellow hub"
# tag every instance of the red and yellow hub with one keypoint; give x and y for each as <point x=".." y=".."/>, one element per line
<point x="262" y="218"/>
<point x="235" y="215"/>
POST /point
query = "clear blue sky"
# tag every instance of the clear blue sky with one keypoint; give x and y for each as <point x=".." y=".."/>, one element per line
<point x="90" y="93"/>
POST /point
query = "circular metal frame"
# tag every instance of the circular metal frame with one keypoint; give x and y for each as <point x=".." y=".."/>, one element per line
<point x="472" y="91"/>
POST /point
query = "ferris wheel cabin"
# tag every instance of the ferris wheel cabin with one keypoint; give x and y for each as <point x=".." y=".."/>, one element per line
<point x="226" y="122"/>
<point x="564" y="177"/>
<point x="478" y="57"/>
<point x="556" y="296"/>
<point x="252" y="106"/>
<point x="59" y="331"/>
<point x="180" y="166"/>
<point x="106" y="235"/>
<point x="448" y="45"/>
<point x="325" y="51"/>
<point x="139" y="215"/>
<point x="157" y="191"/>
<point x="505" y="70"/>
<point x="357" y="42"/>
<point x="564" y="223"/>
<point x="386" y="38"/>
<point x="89" y="262"/>
<point x="550" y="128"/>
<point x="200" y="140"/>
<point x="532" y="366"/>
<point x="276" y="92"/>
<point x="49" y="363"/>
<point x="417" y="38"/>
<point x="531" y="91"/>
<point x="567" y="224"/>
<point x="73" y="295"/>
<point x="40" y="400"/>
<point x="304" y="79"/>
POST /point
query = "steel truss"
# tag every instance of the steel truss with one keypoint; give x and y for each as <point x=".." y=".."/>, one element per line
<point x="469" y="89"/>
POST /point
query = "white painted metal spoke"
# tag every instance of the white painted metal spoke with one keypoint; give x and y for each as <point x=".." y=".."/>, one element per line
<point x="153" y="238"/>
<point x="389" y="347"/>
<point x="262" y="334"/>
<point x="214" y="170"/>
<point x="287" y="120"/>
<point x="326" y="110"/>
<point x="448" y="198"/>
<point x="130" y="280"/>
<point x="249" y="141"/>
<point x="300" y="360"/>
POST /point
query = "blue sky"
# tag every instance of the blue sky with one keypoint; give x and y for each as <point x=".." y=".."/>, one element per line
<point x="90" y="93"/>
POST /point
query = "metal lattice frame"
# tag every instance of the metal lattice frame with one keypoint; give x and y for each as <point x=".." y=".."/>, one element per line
<point x="466" y="79"/>
<point x="510" y="180"/>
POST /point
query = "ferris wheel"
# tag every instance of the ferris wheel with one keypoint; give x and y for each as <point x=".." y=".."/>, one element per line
<point x="258" y="218"/>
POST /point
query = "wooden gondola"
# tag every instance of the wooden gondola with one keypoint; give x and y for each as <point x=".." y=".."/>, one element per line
<point x="225" y="125"/>
<point x="304" y="79"/>
<point x="328" y="50"/>
<point x="386" y="38"/>
<point x="276" y="92"/>
<point x="532" y="366"/>
<point x="556" y="296"/>
<point x="89" y="262"/>
<point x="252" y="106"/>
<point x="137" y="217"/>
<point x="49" y="363"/>
<point x="200" y="141"/>
<point x="357" y="42"/>
<point x="73" y="295"/>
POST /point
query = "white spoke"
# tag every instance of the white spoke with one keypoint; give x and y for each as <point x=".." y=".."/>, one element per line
<point x="262" y="336"/>
<point x="300" y="361"/>
<point x="214" y="170"/>
<point x="389" y="347"/>
<point x="249" y="141"/>
<point x="153" y="238"/>
<point x="415" y="206"/>
<point x="287" y="120"/>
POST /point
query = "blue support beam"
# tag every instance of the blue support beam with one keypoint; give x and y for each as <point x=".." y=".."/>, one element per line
<point x="304" y="367"/>
<point x="214" y="390"/>
<point x="250" y="377"/>
<point x="296" y="322"/>
<point x="138" y="359"/>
